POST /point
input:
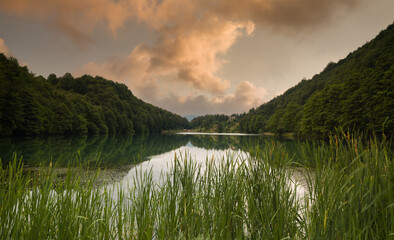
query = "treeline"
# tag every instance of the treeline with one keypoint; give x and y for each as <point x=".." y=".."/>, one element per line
<point x="216" y="123"/>
<point x="354" y="94"/>
<point x="31" y="105"/>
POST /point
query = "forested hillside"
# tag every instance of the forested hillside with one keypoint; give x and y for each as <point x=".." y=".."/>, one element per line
<point x="216" y="123"/>
<point x="31" y="105"/>
<point x="357" y="93"/>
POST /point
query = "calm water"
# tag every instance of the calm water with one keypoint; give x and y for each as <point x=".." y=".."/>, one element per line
<point x="118" y="150"/>
<point x="123" y="155"/>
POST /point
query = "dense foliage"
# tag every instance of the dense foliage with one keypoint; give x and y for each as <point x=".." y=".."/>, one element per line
<point x="32" y="105"/>
<point x="356" y="94"/>
<point x="343" y="190"/>
<point x="216" y="123"/>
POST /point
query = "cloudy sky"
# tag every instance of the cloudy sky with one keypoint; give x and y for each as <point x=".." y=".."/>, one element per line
<point x="190" y="56"/>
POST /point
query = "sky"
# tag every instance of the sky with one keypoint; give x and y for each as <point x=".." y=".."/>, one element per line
<point x="192" y="57"/>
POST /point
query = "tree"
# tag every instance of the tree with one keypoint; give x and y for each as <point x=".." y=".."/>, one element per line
<point x="32" y="116"/>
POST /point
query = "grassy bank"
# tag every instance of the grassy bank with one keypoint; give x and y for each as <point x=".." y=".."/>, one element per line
<point x="349" y="182"/>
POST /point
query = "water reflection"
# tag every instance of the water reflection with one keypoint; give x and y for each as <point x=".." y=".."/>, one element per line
<point x="201" y="150"/>
<point x="160" y="165"/>
<point x="121" y="153"/>
<point x="116" y="149"/>
<point x="111" y="150"/>
<point x="122" y="150"/>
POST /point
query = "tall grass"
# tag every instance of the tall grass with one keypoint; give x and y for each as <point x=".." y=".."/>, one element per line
<point x="352" y="191"/>
<point x="349" y="195"/>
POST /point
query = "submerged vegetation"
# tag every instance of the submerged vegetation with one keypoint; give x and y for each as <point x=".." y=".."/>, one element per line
<point x="349" y="196"/>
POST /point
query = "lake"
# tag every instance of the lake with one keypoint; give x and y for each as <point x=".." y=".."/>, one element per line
<point x="115" y="151"/>
<point x="223" y="186"/>
<point x="122" y="155"/>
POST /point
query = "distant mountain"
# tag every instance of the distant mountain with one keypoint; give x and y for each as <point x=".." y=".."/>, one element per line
<point x="357" y="93"/>
<point x="32" y="105"/>
<point x="190" y="117"/>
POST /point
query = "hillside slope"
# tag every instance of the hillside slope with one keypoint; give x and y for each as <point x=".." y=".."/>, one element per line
<point x="357" y="93"/>
<point x="32" y="105"/>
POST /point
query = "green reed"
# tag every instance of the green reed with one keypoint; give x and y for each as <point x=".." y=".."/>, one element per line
<point x="349" y="183"/>
<point x="351" y="192"/>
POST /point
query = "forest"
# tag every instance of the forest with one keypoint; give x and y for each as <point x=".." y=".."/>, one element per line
<point x="31" y="105"/>
<point x="355" y="94"/>
<point x="216" y="123"/>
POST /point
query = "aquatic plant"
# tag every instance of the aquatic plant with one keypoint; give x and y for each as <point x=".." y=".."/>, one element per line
<point x="349" y="196"/>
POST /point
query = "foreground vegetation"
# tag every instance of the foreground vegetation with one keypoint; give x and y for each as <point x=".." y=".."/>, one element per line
<point x="349" y="182"/>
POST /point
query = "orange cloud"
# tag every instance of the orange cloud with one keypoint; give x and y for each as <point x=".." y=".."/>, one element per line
<point x="293" y="15"/>
<point x="79" y="18"/>
<point x="4" y="48"/>
<point x="76" y="18"/>
<point x="194" y="37"/>
<point x="189" y="55"/>
<point x="246" y="96"/>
